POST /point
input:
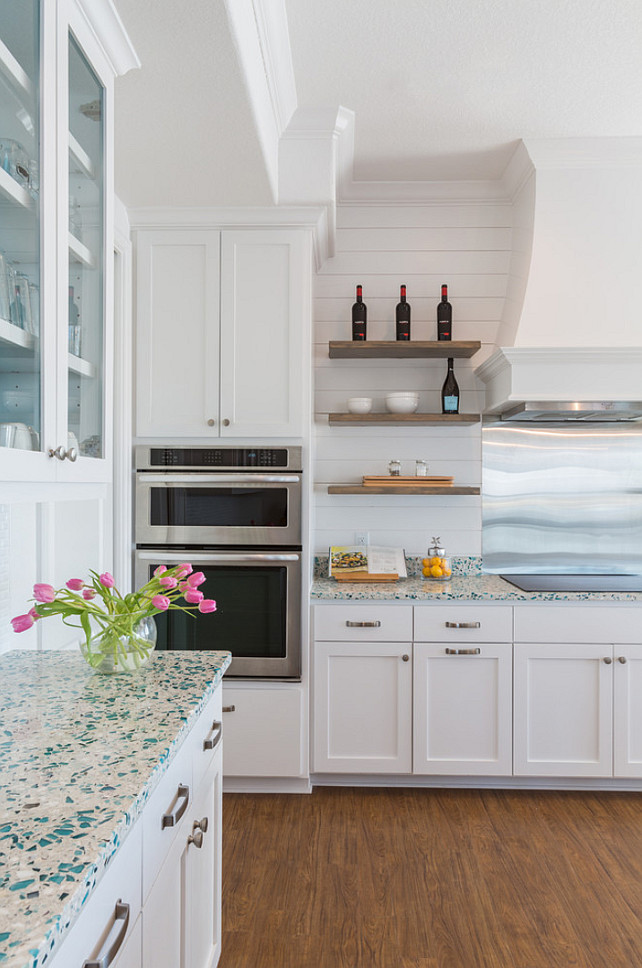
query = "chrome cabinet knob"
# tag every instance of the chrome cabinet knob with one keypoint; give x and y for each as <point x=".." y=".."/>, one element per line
<point x="226" y="422"/>
<point x="405" y="658"/>
<point x="608" y="660"/>
<point x="622" y="659"/>
<point x="211" y="422"/>
<point x="59" y="453"/>
<point x="72" y="454"/>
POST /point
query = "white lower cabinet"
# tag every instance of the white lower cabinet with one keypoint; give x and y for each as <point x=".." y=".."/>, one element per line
<point x="159" y="903"/>
<point x="363" y="707"/>
<point x="264" y="730"/>
<point x="463" y="709"/>
<point x="577" y="711"/>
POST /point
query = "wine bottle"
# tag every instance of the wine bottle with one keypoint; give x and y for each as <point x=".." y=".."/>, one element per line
<point x="450" y="391"/>
<point x="444" y="316"/>
<point x="359" y="317"/>
<point x="402" y="316"/>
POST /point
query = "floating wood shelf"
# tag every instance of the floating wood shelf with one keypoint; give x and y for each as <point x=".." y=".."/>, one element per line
<point x="402" y="349"/>
<point x="391" y="489"/>
<point x="403" y="418"/>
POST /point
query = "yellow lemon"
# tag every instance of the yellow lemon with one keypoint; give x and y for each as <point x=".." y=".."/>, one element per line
<point x="435" y="561"/>
<point x="443" y="563"/>
<point x="436" y="571"/>
<point x="426" y="562"/>
<point x="426" y="572"/>
<point x="447" y="572"/>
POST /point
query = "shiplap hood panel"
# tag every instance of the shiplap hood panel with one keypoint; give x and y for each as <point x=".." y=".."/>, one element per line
<point x="571" y="331"/>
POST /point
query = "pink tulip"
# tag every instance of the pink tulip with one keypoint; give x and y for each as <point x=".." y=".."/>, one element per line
<point x="168" y="582"/>
<point x="193" y="596"/>
<point x="88" y="594"/>
<point x="159" y="571"/>
<point x="44" y="593"/>
<point x="161" y="602"/>
<point x="184" y="585"/>
<point x="196" y="579"/>
<point x="34" y="613"/>
<point x="184" y="569"/>
<point x="75" y="584"/>
<point x="207" y="605"/>
<point x="107" y="580"/>
<point x="22" y="622"/>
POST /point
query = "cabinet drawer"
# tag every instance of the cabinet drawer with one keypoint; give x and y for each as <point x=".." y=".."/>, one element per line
<point x="572" y="623"/>
<point x="103" y="927"/>
<point x="206" y="737"/>
<point x="464" y="623"/>
<point x="373" y="622"/>
<point x="171" y="799"/>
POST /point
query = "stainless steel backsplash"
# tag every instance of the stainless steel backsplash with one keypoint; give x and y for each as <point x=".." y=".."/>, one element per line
<point x="563" y="498"/>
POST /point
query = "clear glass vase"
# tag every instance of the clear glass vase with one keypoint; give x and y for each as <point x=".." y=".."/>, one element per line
<point x="109" y="652"/>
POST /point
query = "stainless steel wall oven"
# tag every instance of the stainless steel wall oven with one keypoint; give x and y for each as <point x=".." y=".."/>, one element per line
<point x="234" y="514"/>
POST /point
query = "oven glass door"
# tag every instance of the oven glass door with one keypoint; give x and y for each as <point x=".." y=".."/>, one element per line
<point x="257" y="614"/>
<point x="214" y="509"/>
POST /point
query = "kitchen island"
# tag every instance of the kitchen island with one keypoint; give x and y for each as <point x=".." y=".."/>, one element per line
<point x="80" y="758"/>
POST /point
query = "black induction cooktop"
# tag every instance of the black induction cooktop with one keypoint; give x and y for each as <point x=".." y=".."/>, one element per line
<point x="576" y="583"/>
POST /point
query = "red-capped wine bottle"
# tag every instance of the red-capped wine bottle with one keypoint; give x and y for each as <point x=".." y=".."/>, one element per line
<point x="444" y="316"/>
<point x="450" y="391"/>
<point x="402" y="316"/>
<point x="359" y="317"/>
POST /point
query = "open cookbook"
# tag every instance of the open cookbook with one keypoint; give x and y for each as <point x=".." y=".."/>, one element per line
<point x="366" y="563"/>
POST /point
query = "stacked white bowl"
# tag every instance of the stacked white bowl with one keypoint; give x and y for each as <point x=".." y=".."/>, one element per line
<point x="402" y="402"/>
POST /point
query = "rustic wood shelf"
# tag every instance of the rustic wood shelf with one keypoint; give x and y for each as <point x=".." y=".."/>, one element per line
<point x="402" y="349"/>
<point x="391" y="489"/>
<point x="416" y="419"/>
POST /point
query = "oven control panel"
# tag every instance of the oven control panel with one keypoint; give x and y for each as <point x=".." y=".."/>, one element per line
<point x="218" y="458"/>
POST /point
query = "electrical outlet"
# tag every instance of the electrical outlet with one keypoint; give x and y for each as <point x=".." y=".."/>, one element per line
<point x="361" y="537"/>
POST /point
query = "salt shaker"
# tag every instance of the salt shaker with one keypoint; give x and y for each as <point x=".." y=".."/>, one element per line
<point x="394" y="468"/>
<point x="421" y="468"/>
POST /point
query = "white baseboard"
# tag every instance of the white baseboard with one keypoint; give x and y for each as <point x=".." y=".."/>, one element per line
<point x="266" y="784"/>
<point x="479" y="782"/>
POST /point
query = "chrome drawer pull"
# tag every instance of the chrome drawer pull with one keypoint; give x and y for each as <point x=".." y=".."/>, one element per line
<point x="121" y="919"/>
<point x="217" y="732"/>
<point x="463" y="651"/>
<point x="171" y="818"/>
<point x="229" y="709"/>
<point x="463" y="625"/>
<point x="364" y="625"/>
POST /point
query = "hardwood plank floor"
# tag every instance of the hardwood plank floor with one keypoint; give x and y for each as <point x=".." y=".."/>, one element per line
<point x="390" y="878"/>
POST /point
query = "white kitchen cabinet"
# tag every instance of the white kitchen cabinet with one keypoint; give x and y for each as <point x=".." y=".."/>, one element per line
<point x="56" y="233"/>
<point x="563" y="709"/>
<point x="264" y="730"/>
<point x="220" y="325"/>
<point x="627" y="710"/>
<point x="463" y="708"/>
<point x="362" y="707"/>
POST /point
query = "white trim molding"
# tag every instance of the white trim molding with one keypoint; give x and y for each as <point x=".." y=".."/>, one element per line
<point x="109" y="31"/>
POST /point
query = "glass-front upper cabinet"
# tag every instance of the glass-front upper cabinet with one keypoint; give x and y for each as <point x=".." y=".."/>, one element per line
<point x="86" y="263"/>
<point x="21" y="360"/>
<point x="58" y="62"/>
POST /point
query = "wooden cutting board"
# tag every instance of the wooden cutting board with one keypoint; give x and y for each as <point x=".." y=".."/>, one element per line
<point x="371" y="479"/>
<point x="363" y="577"/>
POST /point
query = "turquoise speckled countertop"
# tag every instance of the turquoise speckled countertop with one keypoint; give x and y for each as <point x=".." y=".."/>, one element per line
<point x="80" y="754"/>
<point x="473" y="587"/>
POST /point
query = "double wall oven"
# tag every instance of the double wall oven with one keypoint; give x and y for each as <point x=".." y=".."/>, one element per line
<point x="233" y="513"/>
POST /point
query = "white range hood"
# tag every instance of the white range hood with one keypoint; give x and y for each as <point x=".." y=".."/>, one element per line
<point x="570" y="337"/>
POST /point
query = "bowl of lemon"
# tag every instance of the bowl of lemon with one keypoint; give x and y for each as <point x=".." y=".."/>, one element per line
<point x="437" y="566"/>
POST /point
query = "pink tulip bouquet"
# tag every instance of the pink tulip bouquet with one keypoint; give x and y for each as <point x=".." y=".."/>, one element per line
<point x="120" y="633"/>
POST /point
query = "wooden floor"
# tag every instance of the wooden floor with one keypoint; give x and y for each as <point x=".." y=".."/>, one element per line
<point x="381" y="878"/>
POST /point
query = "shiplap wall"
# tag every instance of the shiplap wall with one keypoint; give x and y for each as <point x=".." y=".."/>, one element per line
<point x="467" y="246"/>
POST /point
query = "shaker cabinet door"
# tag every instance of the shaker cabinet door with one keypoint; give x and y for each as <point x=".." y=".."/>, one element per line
<point x="177" y="333"/>
<point x="264" y="316"/>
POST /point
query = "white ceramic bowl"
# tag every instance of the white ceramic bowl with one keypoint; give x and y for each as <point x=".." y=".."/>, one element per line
<point x="402" y="402"/>
<point x="360" y="404"/>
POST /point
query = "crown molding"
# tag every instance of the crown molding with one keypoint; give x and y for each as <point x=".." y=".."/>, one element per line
<point x="274" y="39"/>
<point x="109" y="31"/>
<point x="584" y="153"/>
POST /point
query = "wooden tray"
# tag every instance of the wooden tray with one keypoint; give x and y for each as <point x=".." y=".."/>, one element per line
<point x="370" y="480"/>
<point x="364" y="577"/>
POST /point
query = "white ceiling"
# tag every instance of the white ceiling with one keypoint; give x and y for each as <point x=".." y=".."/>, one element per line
<point x="441" y="89"/>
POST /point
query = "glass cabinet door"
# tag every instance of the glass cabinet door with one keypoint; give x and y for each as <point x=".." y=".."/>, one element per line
<point x="20" y="218"/>
<point x="86" y="228"/>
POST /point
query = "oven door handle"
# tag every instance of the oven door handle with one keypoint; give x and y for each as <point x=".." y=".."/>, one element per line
<point x="250" y="479"/>
<point x="201" y="557"/>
